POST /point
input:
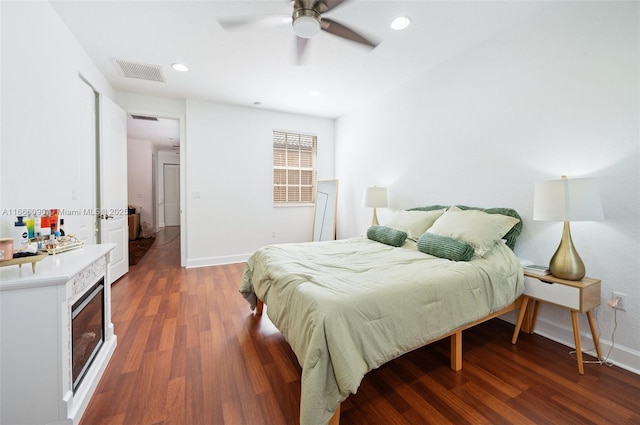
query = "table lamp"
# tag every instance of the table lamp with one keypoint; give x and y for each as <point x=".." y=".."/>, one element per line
<point x="375" y="197"/>
<point x="567" y="200"/>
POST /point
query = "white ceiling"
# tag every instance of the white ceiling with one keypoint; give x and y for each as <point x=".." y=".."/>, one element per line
<point x="257" y="63"/>
<point x="163" y="133"/>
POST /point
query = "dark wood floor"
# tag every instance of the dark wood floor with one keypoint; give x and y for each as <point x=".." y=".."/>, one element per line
<point x="190" y="352"/>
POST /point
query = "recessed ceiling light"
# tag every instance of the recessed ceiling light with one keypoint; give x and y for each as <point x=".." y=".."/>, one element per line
<point x="400" y="23"/>
<point x="315" y="93"/>
<point x="179" y="67"/>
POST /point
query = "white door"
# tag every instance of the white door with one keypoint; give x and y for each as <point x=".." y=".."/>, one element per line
<point x="84" y="187"/>
<point x="171" y="180"/>
<point x="112" y="200"/>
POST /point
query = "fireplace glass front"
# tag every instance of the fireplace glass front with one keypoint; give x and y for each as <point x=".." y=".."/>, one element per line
<point x="87" y="330"/>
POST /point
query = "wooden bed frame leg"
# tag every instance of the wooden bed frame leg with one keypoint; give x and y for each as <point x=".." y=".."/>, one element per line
<point x="335" y="419"/>
<point x="259" y="307"/>
<point x="456" y="351"/>
<point x="521" y="317"/>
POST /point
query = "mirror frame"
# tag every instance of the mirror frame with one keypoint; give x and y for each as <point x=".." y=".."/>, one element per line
<point x="327" y="195"/>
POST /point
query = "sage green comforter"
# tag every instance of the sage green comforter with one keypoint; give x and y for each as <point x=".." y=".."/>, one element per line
<point x="348" y="306"/>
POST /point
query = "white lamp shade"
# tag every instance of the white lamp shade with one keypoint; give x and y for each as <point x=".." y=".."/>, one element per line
<point x="375" y="197"/>
<point x="567" y="200"/>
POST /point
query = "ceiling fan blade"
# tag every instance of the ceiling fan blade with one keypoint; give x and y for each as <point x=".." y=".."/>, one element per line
<point x="301" y="44"/>
<point x="340" y="30"/>
<point x="234" y="22"/>
<point x="325" y="5"/>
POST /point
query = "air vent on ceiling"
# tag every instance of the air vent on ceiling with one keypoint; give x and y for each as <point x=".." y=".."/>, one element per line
<point x="142" y="117"/>
<point x="140" y="71"/>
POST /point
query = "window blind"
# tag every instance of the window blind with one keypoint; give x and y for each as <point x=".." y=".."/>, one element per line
<point x="294" y="167"/>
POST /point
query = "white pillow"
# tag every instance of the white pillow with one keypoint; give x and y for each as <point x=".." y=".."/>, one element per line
<point x="478" y="228"/>
<point x="415" y="223"/>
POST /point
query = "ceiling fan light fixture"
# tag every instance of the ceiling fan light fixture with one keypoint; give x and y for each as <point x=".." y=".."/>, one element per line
<point x="400" y="23"/>
<point x="306" y="23"/>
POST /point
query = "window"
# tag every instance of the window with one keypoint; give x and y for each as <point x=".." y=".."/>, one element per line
<point x="294" y="168"/>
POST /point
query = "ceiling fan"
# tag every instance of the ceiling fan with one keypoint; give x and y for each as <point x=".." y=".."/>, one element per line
<point x="308" y="21"/>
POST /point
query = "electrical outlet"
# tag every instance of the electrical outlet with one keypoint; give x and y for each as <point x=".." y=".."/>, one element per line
<point x="618" y="301"/>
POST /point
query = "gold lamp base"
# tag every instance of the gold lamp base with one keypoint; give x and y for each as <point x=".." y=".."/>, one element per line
<point x="566" y="263"/>
<point x="374" y="222"/>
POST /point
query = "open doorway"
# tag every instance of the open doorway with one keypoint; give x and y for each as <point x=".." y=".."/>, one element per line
<point x="154" y="143"/>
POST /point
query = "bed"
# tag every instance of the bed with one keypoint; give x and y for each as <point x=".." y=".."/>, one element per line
<point x="348" y="306"/>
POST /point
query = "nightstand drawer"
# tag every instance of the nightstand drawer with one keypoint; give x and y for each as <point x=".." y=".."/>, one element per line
<point x="556" y="293"/>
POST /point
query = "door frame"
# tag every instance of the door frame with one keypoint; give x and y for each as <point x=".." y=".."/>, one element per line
<point x="183" y="179"/>
<point x="92" y="220"/>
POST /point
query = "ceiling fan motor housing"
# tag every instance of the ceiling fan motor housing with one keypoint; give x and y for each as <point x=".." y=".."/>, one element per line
<point x="306" y="22"/>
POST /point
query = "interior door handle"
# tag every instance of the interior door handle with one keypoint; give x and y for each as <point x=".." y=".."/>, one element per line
<point x="105" y="216"/>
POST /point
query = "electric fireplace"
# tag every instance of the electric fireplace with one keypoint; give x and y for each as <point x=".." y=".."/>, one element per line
<point x="48" y="376"/>
<point x="87" y="331"/>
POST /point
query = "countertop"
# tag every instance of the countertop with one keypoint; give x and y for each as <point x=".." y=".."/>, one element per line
<point x="54" y="270"/>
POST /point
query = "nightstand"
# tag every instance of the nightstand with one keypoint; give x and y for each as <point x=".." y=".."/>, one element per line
<point x="579" y="296"/>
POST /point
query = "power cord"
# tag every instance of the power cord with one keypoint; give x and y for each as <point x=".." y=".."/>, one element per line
<point x="166" y="243"/>
<point x="605" y="361"/>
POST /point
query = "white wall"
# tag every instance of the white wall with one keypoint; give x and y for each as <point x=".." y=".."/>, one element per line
<point x="139" y="177"/>
<point x="44" y="155"/>
<point x="234" y="214"/>
<point x="555" y="95"/>
<point x="157" y="106"/>
<point x="228" y="167"/>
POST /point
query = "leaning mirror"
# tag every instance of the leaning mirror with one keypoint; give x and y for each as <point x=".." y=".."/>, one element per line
<point x="324" y="220"/>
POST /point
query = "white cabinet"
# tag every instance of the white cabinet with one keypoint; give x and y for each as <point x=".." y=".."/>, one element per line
<point x="35" y="337"/>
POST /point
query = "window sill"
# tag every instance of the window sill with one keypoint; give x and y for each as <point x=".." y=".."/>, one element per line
<point x="301" y="204"/>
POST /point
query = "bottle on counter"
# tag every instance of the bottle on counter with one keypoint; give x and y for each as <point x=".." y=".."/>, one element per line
<point x="51" y="243"/>
<point x="62" y="227"/>
<point x="45" y="225"/>
<point x="53" y="220"/>
<point x="31" y="222"/>
<point x="37" y="230"/>
<point x="20" y="235"/>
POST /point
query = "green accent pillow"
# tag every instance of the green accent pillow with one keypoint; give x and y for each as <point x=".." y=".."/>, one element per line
<point x="387" y="235"/>
<point x="445" y="247"/>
